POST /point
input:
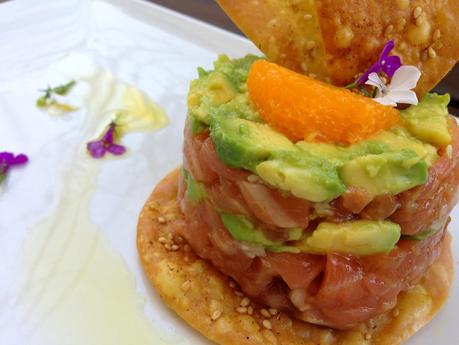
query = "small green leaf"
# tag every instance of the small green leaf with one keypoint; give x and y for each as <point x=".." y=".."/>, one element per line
<point x="42" y="102"/>
<point x="62" y="90"/>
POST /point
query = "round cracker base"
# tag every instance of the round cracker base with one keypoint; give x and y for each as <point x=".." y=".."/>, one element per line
<point x="211" y="303"/>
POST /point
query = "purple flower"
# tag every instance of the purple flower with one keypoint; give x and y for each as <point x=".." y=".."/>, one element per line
<point x="98" y="148"/>
<point x="387" y="64"/>
<point x="8" y="160"/>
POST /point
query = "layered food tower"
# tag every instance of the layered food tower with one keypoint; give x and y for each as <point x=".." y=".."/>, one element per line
<point x="331" y="232"/>
<point x="317" y="182"/>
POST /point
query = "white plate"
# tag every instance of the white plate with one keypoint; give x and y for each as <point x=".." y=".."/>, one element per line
<point x="158" y="51"/>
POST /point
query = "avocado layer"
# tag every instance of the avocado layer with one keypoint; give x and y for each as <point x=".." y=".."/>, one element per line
<point x="396" y="159"/>
<point x="360" y="237"/>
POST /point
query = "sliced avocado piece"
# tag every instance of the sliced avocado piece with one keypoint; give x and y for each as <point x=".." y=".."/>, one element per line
<point x="303" y="175"/>
<point x="392" y="172"/>
<point x="398" y="138"/>
<point x="428" y="121"/>
<point x="241" y="229"/>
<point x="360" y="237"/>
<point x="338" y="155"/>
<point x="195" y="190"/>
<point x="243" y="144"/>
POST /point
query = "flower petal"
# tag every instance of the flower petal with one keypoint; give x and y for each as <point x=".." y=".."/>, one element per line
<point x="386" y="50"/>
<point x="405" y="78"/>
<point x="404" y="96"/>
<point x="6" y="157"/>
<point x="19" y="159"/>
<point x="96" y="148"/>
<point x="375" y="80"/>
<point x="116" y="149"/>
<point x="376" y="68"/>
<point x="391" y="65"/>
<point x="385" y="100"/>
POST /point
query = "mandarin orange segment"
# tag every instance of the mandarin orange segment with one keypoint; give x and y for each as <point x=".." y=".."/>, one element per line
<point x="305" y="108"/>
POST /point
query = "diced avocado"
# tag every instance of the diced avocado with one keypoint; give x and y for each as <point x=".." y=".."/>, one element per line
<point x="338" y="155"/>
<point x="243" y="144"/>
<point x="304" y="175"/>
<point x="195" y="190"/>
<point x="428" y="121"/>
<point x="214" y="89"/>
<point x="398" y="138"/>
<point x="196" y="125"/>
<point x="241" y="229"/>
<point x="295" y="234"/>
<point x="207" y="92"/>
<point x="392" y="172"/>
<point x="360" y="237"/>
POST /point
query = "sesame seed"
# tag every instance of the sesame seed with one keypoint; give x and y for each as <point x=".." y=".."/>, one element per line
<point x="241" y="310"/>
<point x="417" y="12"/>
<point x="170" y="237"/>
<point x="162" y="240"/>
<point x="437" y="35"/>
<point x="304" y="66"/>
<point x="267" y="324"/>
<point x="367" y="336"/>
<point x="265" y="313"/>
<point x="232" y="285"/>
<point x="245" y="302"/>
<point x="310" y="45"/>
<point x="402" y="46"/>
<point x="420" y="20"/>
<point x="187" y="247"/>
<point x="216" y="315"/>
<point x="388" y="30"/>
<point x="175" y="247"/>
<point x="250" y="310"/>
<point x="168" y="246"/>
<point x="307" y="16"/>
<point x="161" y="220"/>
<point x="186" y="285"/>
<point x="396" y="312"/>
<point x="273" y="311"/>
<point x="401" y="23"/>
<point x="432" y="53"/>
<point x="238" y="293"/>
<point x="312" y="75"/>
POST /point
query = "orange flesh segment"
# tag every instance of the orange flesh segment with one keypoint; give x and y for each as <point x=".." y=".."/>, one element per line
<point x="306" y="109"/>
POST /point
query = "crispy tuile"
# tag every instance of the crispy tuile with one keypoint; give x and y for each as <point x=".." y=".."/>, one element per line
<point x="337" y="39"/>
<point x="209" y="300"/>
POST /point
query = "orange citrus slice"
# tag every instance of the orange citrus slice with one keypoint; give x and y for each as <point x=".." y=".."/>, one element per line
<point x="307" y="109"/>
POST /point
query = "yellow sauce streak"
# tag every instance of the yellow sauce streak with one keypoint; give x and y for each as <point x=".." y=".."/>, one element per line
<point x="73" y="287"/>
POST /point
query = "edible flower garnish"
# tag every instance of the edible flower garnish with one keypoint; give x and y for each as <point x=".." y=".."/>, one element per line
<point x="400" y="88"/>
<point x="49" y="99"/>
<point x="387" y="64"/>
<point x="98" y="148"/>
<point x="8" y="160"/>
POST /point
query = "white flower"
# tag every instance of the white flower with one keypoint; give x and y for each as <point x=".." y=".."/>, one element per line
<point x="400" y="88"/>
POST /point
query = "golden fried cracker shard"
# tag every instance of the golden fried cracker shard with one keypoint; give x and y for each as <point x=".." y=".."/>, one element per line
<point x="337" y="39"/>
